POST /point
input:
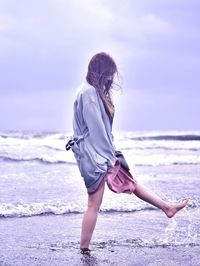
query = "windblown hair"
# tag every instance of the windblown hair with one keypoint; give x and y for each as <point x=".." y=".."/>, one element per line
<point x="100" y="67"/>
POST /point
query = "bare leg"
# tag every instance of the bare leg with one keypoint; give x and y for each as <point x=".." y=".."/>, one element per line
<point x="169" y="209"/>
<point x="90" y="216"/>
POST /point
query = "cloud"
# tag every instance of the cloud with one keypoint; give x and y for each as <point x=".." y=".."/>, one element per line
<point x="45" y="47"/>
<point x="52" y="25"/>
<point x="50" y="37"/>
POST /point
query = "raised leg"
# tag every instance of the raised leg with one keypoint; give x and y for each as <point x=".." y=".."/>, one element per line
<point x="90" y="216"/>
<point x="147" y="195"/>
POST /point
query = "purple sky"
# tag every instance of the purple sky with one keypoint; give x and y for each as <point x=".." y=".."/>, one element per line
<point x="45" y="47"/>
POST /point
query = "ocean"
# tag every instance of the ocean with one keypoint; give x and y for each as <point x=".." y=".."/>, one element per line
<point x="39" y="178"/>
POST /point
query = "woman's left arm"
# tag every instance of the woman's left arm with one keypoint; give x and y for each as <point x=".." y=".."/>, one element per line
<point x="97" y="132"/>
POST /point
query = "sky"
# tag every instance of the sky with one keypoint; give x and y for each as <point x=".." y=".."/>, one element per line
<point x="45" y="48"/>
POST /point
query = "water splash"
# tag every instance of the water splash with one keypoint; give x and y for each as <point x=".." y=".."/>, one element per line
<point x="182" y="230"/>
<point x="170" y="231"/>
<point x="193" y="231"/>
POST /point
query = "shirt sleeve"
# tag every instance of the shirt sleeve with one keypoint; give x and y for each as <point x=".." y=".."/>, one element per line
<point x="97" y="132"/>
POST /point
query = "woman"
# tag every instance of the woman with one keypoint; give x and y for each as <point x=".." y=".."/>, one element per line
<point x="93" y="147"/>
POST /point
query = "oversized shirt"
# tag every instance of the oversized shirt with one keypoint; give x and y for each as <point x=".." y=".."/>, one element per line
<point x="93" y="149"/>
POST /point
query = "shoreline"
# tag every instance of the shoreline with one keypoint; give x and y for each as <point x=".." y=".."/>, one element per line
<point x="119" y="239"/>
<point x="140" y="238"/>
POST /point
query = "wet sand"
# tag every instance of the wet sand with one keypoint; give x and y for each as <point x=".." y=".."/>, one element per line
<point x="137" y="238"/>
<point x="141" y="237"/>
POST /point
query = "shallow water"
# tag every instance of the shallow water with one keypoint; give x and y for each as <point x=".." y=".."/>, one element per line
<point x="119" y="239"/>
<point x="40" y="179"/>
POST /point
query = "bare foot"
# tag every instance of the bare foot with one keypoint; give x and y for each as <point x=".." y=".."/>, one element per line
<point x="172" y="209"/>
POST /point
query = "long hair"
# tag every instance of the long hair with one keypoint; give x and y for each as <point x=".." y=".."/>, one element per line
<point x="101" y="70"/>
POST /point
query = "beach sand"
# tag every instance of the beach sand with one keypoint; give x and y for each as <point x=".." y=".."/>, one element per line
<point x="140" y="238"/>
<point x="118" y="240"/>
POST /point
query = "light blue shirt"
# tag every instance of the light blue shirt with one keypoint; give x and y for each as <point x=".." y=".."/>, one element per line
<point x="94" y="151"/>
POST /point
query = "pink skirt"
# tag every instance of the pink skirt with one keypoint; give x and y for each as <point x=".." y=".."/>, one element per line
<point x="118" y="180"/>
